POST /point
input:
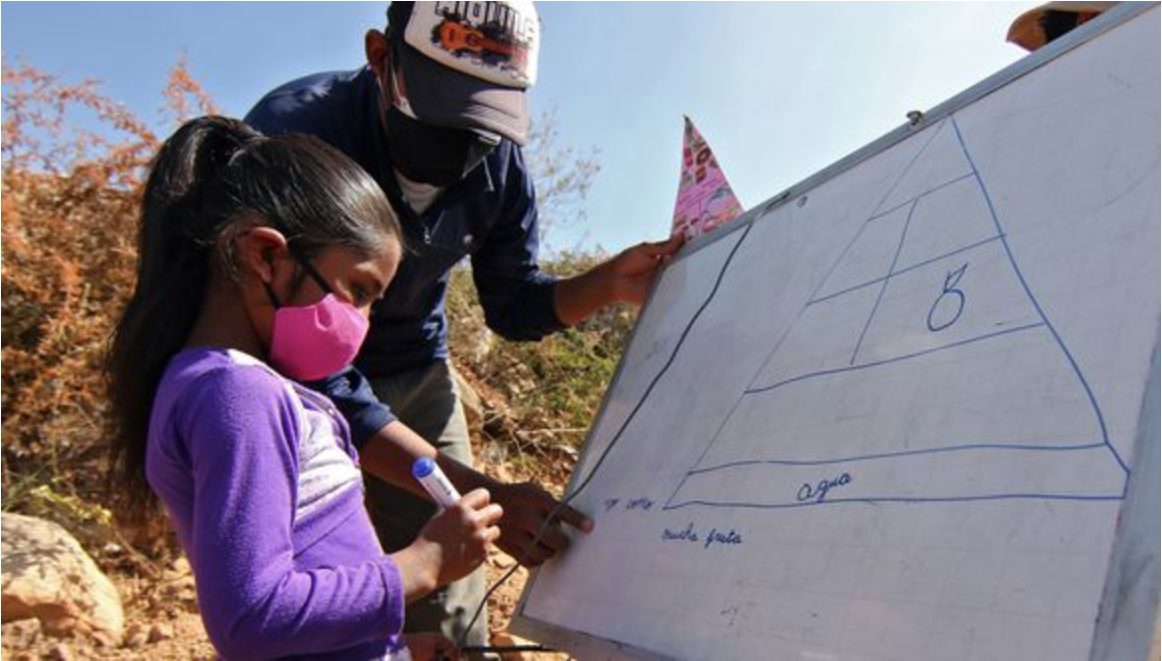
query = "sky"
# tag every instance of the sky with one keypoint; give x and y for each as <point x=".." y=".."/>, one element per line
<point x="779" y="90"/>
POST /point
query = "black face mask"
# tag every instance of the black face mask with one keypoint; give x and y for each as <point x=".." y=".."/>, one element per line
<point x="434" y="155"/>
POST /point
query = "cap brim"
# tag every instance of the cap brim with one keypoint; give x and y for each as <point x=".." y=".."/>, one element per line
<point x="445" y="97"/>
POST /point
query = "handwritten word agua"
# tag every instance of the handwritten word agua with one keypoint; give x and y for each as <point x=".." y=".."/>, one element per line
<point x="818" y="492"/>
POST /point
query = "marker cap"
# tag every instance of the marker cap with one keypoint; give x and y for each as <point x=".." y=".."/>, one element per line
<point x="423" y="467"/>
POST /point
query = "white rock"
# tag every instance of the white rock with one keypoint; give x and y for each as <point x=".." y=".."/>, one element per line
<point x="48" y="576"/>
<point x="160" y="631"/>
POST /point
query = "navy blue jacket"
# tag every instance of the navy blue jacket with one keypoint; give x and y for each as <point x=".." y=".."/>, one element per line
<point x="491" y="216"/>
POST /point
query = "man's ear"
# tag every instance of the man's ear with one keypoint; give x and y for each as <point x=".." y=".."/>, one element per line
<point x="378" y="52"/>
<point x="257" y="250"/>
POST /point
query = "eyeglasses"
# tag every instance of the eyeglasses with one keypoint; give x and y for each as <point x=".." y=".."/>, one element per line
<point x="312" y="272"/>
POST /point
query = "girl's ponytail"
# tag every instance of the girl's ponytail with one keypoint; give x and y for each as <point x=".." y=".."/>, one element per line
<point x="177" y="233"/>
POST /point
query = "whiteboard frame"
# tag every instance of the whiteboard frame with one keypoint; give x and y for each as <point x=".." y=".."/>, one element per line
<point x="1130" y="601"/>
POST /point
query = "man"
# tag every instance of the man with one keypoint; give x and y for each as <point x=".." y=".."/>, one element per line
<point x="437" y="117"/>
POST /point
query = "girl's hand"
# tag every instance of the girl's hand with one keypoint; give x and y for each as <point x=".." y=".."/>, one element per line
<point x="451" y="545"/>
<point x="430" y="647"/>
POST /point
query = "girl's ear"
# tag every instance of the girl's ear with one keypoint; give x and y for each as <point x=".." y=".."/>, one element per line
<point x="257" y="249"/>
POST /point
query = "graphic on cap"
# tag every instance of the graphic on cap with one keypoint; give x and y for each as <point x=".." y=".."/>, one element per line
<point x="492" y="41"/>
<point x="456" y="36"/>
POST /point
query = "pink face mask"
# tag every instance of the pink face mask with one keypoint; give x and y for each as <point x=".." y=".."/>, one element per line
<point x="311" y="342"/>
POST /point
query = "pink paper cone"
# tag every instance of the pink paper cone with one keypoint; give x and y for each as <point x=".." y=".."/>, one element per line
<point x="705" y="199"/>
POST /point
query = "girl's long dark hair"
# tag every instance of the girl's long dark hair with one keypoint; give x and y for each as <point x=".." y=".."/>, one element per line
<point x="213" y="177"/>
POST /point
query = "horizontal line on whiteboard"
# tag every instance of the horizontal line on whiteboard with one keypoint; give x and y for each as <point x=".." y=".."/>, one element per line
<point x="905" y="453"/>
<point x="909" y="356"/>
<point x="906" y="269"/>
<point x="901" y="499"/>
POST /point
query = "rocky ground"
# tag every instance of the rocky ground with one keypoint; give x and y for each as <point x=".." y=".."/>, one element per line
<point x="162" y="622"/>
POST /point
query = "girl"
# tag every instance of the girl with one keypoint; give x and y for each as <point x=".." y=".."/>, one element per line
<point x="258" y="260"/>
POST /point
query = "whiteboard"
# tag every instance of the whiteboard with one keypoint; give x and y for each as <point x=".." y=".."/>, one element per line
<point x="899" y="411"/>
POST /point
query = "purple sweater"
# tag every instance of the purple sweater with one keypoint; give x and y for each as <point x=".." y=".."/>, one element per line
<point x="261" y="481"/>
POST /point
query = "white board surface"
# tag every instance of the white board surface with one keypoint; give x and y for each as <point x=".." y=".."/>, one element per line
<point x="899" y="415"/>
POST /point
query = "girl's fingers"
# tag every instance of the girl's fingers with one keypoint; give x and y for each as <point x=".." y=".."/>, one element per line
<point x="489" y="515"/>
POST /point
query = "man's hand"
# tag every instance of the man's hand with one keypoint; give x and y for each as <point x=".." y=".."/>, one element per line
<point x="624" y="279"/>
<point x="632" y="271"/>
<point x="526" y="506"/>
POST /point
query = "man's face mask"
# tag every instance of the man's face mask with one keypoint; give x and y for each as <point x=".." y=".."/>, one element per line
<point x="435" y="155"/>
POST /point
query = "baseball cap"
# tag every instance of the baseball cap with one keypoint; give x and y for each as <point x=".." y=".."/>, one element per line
<point x="1044" y="23"/>
<point x="468" y="64"/>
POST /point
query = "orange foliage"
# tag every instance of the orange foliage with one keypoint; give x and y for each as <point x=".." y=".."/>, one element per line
<point x="69" y="254"/>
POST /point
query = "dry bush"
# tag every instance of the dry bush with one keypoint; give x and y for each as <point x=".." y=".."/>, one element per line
<point x="563" y="175"/>
<point x="539" y="397"/>
<point x="69" y="235"/>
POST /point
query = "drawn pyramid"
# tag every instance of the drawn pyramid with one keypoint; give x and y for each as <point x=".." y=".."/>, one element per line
<point x="922" y="368"/>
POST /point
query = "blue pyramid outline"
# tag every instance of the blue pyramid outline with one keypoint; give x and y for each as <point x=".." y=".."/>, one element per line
<point x="999" y="236"/>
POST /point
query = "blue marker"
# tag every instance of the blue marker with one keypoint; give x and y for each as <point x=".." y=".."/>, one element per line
<point x="429" y="475"/>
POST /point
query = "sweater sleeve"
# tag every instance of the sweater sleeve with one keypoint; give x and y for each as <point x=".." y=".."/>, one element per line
<point x="516" y="295"/>
<point x="241" y="428"/>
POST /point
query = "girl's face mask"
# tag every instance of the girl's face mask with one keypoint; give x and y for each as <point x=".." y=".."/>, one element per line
<point x="310" y="342"/>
